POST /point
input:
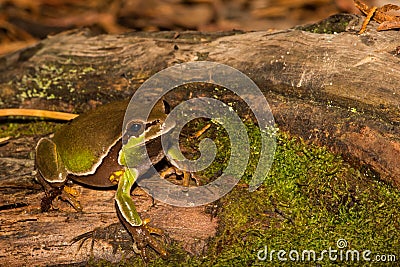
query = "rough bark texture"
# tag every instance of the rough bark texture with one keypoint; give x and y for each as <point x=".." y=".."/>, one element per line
<point x="339" y="90"/>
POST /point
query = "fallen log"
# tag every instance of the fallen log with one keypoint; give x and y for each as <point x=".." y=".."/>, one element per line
<point x="324" y="83"/>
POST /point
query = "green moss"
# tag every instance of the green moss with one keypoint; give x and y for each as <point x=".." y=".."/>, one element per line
<point x="310" y="199"/>
<point x="16" y="128"/>
<point x="47" y="80"/>
<point x="333" y="24"/>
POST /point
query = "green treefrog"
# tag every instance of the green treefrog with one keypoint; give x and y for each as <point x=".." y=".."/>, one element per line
<point x="92" y="150"/>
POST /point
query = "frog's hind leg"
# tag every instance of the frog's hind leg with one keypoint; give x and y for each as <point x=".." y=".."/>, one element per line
<point x="53" y="175"/>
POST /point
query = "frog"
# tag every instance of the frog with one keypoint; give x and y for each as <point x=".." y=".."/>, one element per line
<point x="92" y="150"/>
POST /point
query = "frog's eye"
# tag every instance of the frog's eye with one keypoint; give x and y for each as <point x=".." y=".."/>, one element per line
<point x="133" y="129"/>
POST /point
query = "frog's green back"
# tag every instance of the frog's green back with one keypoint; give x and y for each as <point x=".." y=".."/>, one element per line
<point x="82" y="143"/>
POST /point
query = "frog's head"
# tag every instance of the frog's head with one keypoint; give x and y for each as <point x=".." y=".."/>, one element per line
<point x="141" y="139"/>
<point x="140" y="132"/>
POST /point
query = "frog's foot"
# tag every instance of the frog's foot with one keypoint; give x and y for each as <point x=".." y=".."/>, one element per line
<point x="65" y="193"/>
<point x="52" y="192"/>
<point x="142" y="235"/>
<point x="69" y="194"/>
<point x="186" y="176"/>
<point x="47" y="200"/>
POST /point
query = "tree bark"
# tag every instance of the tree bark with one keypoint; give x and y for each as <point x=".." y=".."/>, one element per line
<point x="340" y="90"/>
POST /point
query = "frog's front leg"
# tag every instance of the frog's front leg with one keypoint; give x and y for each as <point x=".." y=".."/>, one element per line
<point x="141" y="233"/>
